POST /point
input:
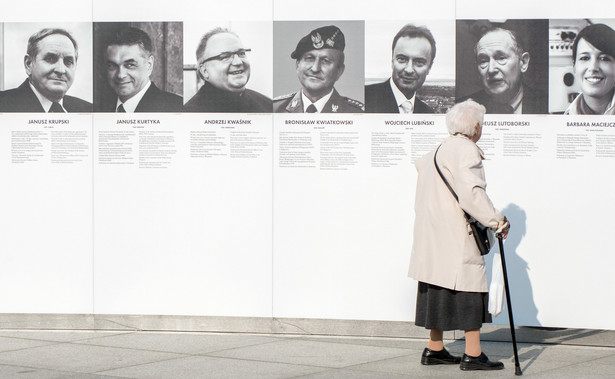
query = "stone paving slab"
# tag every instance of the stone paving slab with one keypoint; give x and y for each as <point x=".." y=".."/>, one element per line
<point x="88" y="354"/>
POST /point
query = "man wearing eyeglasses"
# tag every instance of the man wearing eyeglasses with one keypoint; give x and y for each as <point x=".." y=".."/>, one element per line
<point x="224" y="67"/>
<point x="319" y="60"/>
<point x="129" y="63"/>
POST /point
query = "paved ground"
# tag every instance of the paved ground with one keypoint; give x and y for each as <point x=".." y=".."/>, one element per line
<point x="135" y="354"/>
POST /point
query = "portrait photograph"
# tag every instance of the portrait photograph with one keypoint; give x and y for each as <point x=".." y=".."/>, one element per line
<point x="321" y="59"/>
<point x="406" y="59"/>
<point x="503" y="65"/>
<point x="58" y="69"/>
<point x="228" y="66"/>
<point x="582" y="66"/>
<point x="138" y="67"/>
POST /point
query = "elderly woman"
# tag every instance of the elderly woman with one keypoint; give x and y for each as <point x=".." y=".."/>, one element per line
<point x="452" y="289"/>
<point x="593" y="53"/>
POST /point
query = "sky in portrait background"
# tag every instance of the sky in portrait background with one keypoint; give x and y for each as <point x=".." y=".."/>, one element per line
<point x="16" y="42"/>
<point x="286" y="35"/>
<point x="378" y="50"/>
<point x="255" y="35"/>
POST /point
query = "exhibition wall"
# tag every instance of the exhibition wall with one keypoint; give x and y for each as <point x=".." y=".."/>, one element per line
<point x="293" y="215"/>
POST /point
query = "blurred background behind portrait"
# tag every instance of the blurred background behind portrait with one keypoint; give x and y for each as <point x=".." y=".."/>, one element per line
<point x="167" y="44"/>
<point x="564" y="86"/>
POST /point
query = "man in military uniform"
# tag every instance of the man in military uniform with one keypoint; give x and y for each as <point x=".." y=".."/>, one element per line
<point x="320" y="63"/>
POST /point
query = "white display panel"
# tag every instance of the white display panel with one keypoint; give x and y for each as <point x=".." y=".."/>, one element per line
<point x="276" y="215"/>
<point x="182" y="214"/>
<point x="46" y="214"/>
<point x="343" y="222"/>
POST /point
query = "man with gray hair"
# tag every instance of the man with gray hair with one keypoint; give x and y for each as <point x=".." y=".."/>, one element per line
<point x="50" y="63"/>
<point x="502" y="61"/>
<point x="224" y="67"/>
<point x="129" y="62"/>
<point x="319" y="61"/>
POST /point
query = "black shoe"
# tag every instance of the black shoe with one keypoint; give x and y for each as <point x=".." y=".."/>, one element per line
<point x="442" y="357"/>
<point x="479" y="363"/>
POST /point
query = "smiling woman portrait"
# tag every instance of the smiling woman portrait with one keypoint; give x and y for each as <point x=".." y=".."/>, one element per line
<point x="593" y="57"/>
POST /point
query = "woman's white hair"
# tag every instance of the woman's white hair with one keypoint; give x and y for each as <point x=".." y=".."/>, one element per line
<point x="462" y="118"/>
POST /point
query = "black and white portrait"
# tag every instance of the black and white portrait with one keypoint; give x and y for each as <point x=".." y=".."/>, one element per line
<point x="503" y="65"/>
<point x="47" y="67"/>
<point x="582" y="66"/>
<point x="409" y="66"/>
<point x="318" y="66"/>
<point x="138" y="67"/>
<point x="228" y="67"/>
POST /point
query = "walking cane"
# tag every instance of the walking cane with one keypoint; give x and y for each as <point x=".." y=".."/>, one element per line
<point x="510" y="312"/>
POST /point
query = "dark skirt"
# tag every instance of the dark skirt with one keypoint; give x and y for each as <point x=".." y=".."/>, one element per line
<point x="446" y="309"/>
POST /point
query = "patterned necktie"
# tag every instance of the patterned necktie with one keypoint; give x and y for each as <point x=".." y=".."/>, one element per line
<point x="311" y="109"/>
<point x="120" y="109"/>
<point x="56" y="108"/>
<point x="406" y="107"/>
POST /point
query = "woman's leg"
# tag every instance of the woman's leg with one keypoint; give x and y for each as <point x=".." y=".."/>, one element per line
<point x="435" y="340"/>
<point x="474" y="359"/>
<point x="473" y="343"/>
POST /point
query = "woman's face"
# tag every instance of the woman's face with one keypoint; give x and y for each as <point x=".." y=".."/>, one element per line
<point x="595" y="70"/>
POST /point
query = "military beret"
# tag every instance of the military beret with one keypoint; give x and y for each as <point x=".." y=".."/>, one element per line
<point x="326" y="37"/>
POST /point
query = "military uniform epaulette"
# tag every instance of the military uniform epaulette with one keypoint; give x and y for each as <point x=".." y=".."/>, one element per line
<point x="284" y="97"/>
<point x="355" y="103"/>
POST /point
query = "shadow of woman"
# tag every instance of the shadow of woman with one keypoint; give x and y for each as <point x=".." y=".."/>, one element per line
<point x="525" y="311"/>
<point x="521" y="294"/>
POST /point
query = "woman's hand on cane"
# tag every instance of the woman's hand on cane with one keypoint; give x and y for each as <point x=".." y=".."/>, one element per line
<point x="502" y="228"/>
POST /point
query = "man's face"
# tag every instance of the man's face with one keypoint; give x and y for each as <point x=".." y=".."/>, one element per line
<point x="318" y="70"/>
<point x="128" y="69"/>
<point x="231" y="70"/>
<point x="411" y="64"/>
<point x="52" y="70"/>
<point x="499" y="66"/>
<point x="595" y="70"/>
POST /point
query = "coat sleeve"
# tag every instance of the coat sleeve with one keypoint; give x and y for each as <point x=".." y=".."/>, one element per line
<point x="469" y="178"/>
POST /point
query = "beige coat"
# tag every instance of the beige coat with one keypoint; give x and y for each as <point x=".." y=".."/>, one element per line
<point x="443" y="252"/>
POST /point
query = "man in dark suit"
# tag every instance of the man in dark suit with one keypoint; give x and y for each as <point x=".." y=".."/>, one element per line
<point x="224" y="68"/>
<point x="50" y="63"/>
<point x="414" y="50"/>
<point x="129" y="63"/>
<point x="501" y="63"/>
<point x="319" y="58"/>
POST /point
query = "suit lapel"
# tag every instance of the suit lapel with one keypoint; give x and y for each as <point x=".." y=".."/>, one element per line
<point x="30" y="101"/>
<point x="389" y="101"/>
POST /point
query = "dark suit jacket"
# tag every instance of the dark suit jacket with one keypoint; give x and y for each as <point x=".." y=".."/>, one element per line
<point x="23" y="99"/>
<point x="154" y="100"/>
<point x="212" y="99"/>
<point x="379" y="98"/>
<point x="293" y="103"/>
<point x="534" y="102"/>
